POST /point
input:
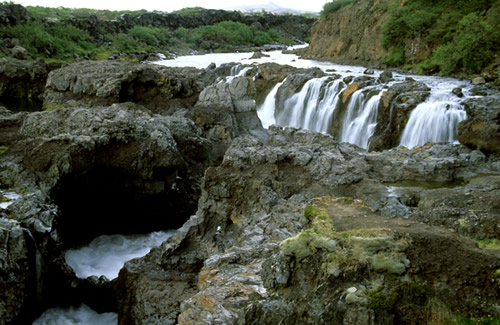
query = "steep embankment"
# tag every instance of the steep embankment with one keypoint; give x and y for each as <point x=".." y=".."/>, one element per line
<point x="445" y="37"/>
<point x="351" y="35"/>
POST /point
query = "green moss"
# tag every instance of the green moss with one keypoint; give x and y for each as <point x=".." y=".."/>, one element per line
<point x="387" y="263"/>
<point x="493" y="244"/>
<point x="306" y="243"/>
<point x="3" y="149"/>
<point x="380" y="298"/>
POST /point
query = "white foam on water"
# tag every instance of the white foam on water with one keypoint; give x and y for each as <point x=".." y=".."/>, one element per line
<point x="107" y="254"/>
<point x="82" y="315"/>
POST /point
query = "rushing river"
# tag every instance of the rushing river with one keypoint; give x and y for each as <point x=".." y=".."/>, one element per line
<point x="311" y="108"/>
<point x="104" y="256"/>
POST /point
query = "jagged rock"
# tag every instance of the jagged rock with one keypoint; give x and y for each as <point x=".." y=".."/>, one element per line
<point x="481" y="129"/>
<point x="227" y="110"/>
<point x="22" y="83"/>
<point x="18" y="280"/>
<point x="369" y="71"/>
<point x="394" y="110"/>
<point x="94" y="83"/>
<point x="13" y="14"/>
<point x="255" y="199"/>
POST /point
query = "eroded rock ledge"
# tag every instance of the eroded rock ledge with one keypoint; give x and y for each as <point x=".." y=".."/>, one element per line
<point x="230" y="257"/>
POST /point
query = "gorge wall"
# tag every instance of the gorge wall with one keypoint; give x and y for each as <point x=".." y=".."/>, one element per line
<point x="351" y="35"/>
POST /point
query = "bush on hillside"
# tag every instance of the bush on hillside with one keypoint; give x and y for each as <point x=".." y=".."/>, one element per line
<point x="56" y="40"/>
<point x="471" y="48"/>
<point x="335" y="5"/>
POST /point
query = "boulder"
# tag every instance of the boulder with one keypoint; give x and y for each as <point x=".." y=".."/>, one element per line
<point x="481" y="129"/>
<point x="478" y="81"/>
<point x="19" y="52"/>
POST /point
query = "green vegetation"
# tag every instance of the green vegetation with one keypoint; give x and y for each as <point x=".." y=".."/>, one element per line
<point x="465" y="34"/>
<point x="335" y="5"/>
<point x="228" y="34"/>
<point x="439" y="313"/>
<point x="493" y="244"/>
<point x="55" y="40"/>
<point x="3" y="149"/>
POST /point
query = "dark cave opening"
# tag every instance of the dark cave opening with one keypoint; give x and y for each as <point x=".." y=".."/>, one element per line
<point x="105" y="200"/>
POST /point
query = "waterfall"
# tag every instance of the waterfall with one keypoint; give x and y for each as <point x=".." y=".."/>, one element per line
<point x="433" y="122"/>
<point x="328" y="104"/>
<point x="361" y="119"/>
<point x="237" y="71"/>
<point x="266" y="111"/>
<point x="302" y="106"/>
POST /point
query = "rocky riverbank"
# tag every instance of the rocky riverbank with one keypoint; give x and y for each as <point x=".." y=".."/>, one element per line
<point x="277" y="224"/>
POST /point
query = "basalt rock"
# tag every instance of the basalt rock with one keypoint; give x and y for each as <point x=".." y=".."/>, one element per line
<point x="481" y="129"/>
<point x="231" y="258"/>
<point x="13" y="14"/>
<point x="394" y="111"/>
<point x="22" y="83"/>
<point x="95" y="83"/>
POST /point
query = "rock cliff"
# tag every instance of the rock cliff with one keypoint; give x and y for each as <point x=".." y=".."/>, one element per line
<point x="351" y="35"/>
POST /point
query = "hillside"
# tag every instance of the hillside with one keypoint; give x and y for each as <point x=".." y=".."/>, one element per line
<point x="424" y="36"/>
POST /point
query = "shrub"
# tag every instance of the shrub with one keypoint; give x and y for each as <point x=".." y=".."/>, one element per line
<point x="470" y="49"/>
<point x="335" y="5"/>
<point x="125" y="44"/>
<point x="56" y="40"/>
<point x="143" y="34"/>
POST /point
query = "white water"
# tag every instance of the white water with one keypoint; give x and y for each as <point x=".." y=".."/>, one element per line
<point x="360" y="123"/>
<point x="107" y="254"/>
<point x="435" y="120"/>
<point x="308" y="111"/>
<point x="266" y="111"/>
<point x="432" y="122"/>
<point x="82" y="315"/>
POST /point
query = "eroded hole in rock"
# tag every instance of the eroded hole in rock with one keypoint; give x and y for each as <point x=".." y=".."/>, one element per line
<point x="106" y="200"/>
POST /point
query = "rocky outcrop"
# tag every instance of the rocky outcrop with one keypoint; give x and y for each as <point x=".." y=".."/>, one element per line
<point x="351" y="35"/>
<point x="94" y="83"/>
<point x="481" y="130"/>
<point x="231" y="255"/>
<point x="18" y="278"/>
<point x="394" y="110"/>
<point x="290" y="26"/>
<point x="13" y="14"/>
<point x="22" y="83"/>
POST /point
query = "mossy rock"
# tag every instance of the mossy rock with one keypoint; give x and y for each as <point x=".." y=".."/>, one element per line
<point x="306" y="243"/>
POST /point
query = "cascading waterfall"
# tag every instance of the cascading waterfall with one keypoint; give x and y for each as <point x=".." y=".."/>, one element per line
<point x="309" y="109"/>
<point x="328" y="104"/>
<point x="300" y="107"/>
<point x="361" y="119"/>
<point x="266" y="111"/>
<point x="433" y="122"/>
<point x="237" y="71"/>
